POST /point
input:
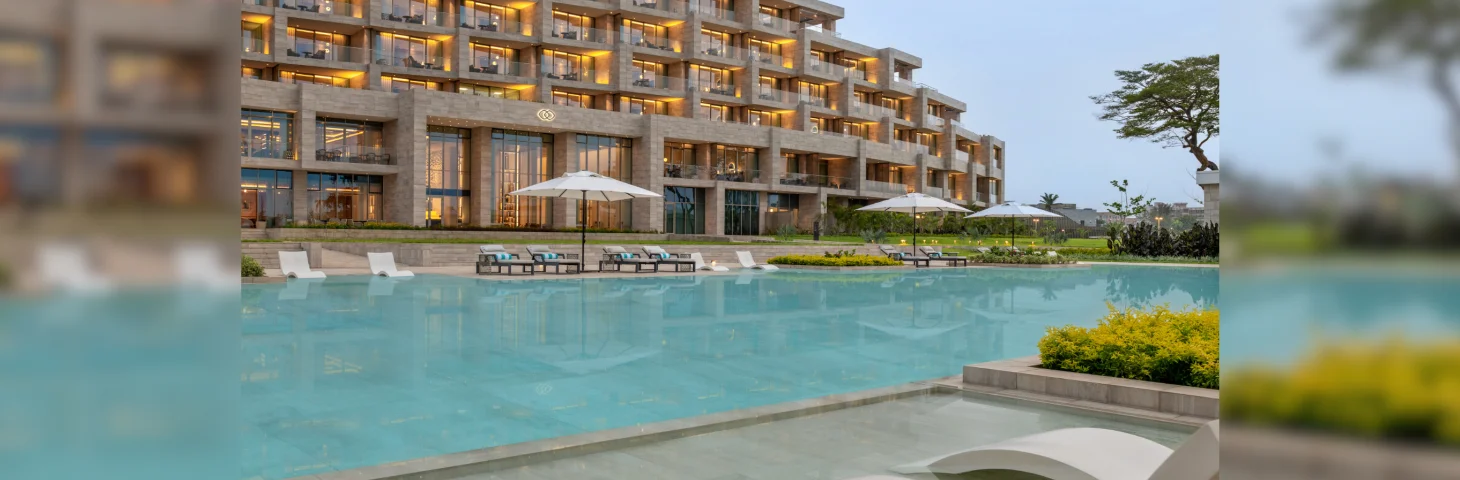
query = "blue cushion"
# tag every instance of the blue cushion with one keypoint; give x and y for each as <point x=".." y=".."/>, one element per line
<point x="935" y="254"/>
<point x="549" y="256"/>
<point x="663" y="256"/>
<point x="504" y="256"/>
<point x="625" y="256"/>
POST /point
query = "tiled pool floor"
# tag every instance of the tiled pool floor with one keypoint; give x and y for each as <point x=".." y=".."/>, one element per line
<point x="836" y="445"/>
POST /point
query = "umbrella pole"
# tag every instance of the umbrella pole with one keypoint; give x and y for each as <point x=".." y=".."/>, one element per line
<point x="915" y="230"/>
<point x="583" y="247"/>
<point x="1011" y="231"/>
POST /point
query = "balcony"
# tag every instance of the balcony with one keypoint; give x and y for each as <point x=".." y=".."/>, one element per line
<point x="267" y="151"/>
<point x="809" y="180"/>
<point x="583" y="35"/>
<point x="724" y="51"/>
<point x="653" y="43"/>
<point x="410" y="60"/>
<point x="355" y="154"/>
<point x="936" y="192"/>
<point x="886" y="187"/>
<point x="428" y="18"/>
<point x="775" y="24"/>
<point x="909" y="147"/>
<point x="492" y="25"/>
<point x="904" y="83"/>
<point x="499" y="67"/>
<point x="671" y="6"/>
<point x="710" y="10"/>
<point x="823" y="31"/>
<point x="769" y="59"/>
<point x="325" y="7"/>
<point x="960" y="156"/>
<point x="729" y="175"/>
<point x="694" y="172"/>
<point x="983" y="197"/>
<point x="933" y="121"/>
<point x="812" y="100"/>
<point x="714" y="88"/>
<point x="833" y="133"/>
<point x="768" y="94"/>
<point x="660" y="82"/>
<point x="327" y="52"/>
<point x="253" y="44"/>
<point x="582" y="75"/>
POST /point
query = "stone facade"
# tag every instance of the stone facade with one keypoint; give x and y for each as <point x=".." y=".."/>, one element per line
<point x="942" y="156"/>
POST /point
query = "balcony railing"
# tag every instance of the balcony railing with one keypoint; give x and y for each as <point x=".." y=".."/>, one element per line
<point x="983" y="197"/>
<point x="769" y="94"/>
<point x="715" y="88"/>
<point x="660" y="82"/>
<point x="741" y="175"/>
<point x="709" y="9"/>
<point x="327" y="7"/>
<point x="261" y="3"/>
<point x="675" y="170"/>
<point x="904" y="83"/>
<point x="267" y="151"/>
<point x="724" y="51"/>
<point x="329" y="52"/>
<point x="933" y="121"/>
<point x="856" y="74"/>
<point x="823" y="31"/>
<point x="960" y="155"/>
<point x="812" y="100"/>
<point x="586" y="35"/>
<point x="932" y="191"/>
<point x="569" y="74"/>
<point x="491" y="25"/>
<point x="409" y="60"/>
<point x="886" y="187"/>
<point x="903" y="146"/>
<point x="775" y="23"/>
<point x="355" y="154"/>
<point x="672" y="6"/>
<point x="654" y="43"/>
<point x="833" y="133"/>
<point x="499" y="67"/>
<point x="427" y="18"/>
<point x="252" y="44"/>
<point x="770" y="59"/>
<point x="809" y="180"/>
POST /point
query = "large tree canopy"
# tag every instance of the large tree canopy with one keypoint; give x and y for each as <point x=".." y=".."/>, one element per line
<point x="1176" y="104"/>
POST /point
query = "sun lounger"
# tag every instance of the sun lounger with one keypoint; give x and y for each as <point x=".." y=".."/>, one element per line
<point x="296" y="264"/>
<point x="66" y="266"/>
<point x="383" y="264"/>
<point x="201" y="265"/>
<point x="618" y="257"/>
<point x="701" y="265"/>
<point x="747" y="262"/>
<point x="665" y="258"/>
<point x="546" y="257"/>
<point x="494" y="256"/>
<point x="1086" y="454"/>
<point x="892" y="252"/>
<point x="952" y="259"/>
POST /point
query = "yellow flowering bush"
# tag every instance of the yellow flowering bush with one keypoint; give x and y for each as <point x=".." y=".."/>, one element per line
<point x="844" y="261"/>
<point x="1396" y="389"/>
<point x="1157" y="344"/>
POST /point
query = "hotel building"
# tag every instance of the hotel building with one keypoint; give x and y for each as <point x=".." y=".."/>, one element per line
<point x="745" y="114"/>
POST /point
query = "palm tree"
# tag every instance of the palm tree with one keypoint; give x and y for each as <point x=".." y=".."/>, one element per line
<point x="1047" y="200"/>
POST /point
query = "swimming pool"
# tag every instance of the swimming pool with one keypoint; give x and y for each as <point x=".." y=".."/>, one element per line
<point x="357" y="371"/>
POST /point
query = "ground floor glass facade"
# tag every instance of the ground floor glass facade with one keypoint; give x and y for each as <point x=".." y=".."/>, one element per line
<point x="684" y="210"/>
<point x="742" y="212"/>
<point x="342" y="197"/>
<point x="268" y="198"/>
<point x="520" y="159"/>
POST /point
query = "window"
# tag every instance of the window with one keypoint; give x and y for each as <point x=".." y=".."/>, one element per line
<point x="645" y="34"/>
<point x="736" y="164"/>
<point x="267" y="134"/>
<point x="610" y="157"/>
<point x="858" y="130"/>
<point x="268" y="198"/>
<point x="823" y="124"/>
<point x="894" y="104"/>
<point x="817" y="59"/>
<point x="348" y="137"/>
<point x="713" y="42"/>
<point x="715" y="113"/>
<point x="862" y="97"/>
<point x="345" y="197"/>
<point x="422" y="12"/>
<point x="492" y="18"/>
<point x="713" y="80"/>
<point x="254" y="37"/>
<point x="306" y="42"/>
<point x="764" y="118"/>
<point x="999" y="157"/>
<point x="406" y="51"/>
<point x="793" y="162"/>
<point x="649" y="72"/>
<point x="577" y="100"/>
<point x="766" y="52"/>
<point x="570" y="26"/>
<point x="490" y="91"/>
<point x="642" y="106"/>
<point x="520" y="159"/>
<point x="254" y="73"/>
<point x="494" y="60"/>
<point x="782" y="202"/>
<point x="683" y="207"/>
<point x="398" y="84"/>
<point x="931" y="141"/>
<point x="448" y="176"/>
<point x="742" y="212"/>
<point x="326" y="80"/>
<point x="559" y="64"/>
<point x="813" y="93"/>
<point x="768" y="83"/>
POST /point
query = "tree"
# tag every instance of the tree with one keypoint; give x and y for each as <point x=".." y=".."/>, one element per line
<point x="1176" y="104"/>
<point x="1047" y="200"/>
<point x="1127" y="206"/>
<point x="1374" y="34"/>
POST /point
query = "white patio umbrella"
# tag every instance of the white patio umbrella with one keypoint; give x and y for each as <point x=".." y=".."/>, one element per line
<point x="584" y="186"/>
<point x="1011" y="211"/>
<point x="912" y="203"/>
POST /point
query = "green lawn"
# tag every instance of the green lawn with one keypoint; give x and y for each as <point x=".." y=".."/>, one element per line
<point x="947" y="240"/>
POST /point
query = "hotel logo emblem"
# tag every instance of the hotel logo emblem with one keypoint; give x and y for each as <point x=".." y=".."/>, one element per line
<point x="546" y="115"/>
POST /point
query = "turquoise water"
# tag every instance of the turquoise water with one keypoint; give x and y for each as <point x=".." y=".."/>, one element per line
<point x="358" y="371"/>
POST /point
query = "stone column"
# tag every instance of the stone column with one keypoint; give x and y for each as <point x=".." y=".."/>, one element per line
<point x="648" y="172"/>
<point x="715" y="209"/>
<point x="482" y="188"/>
<point x="772" y="164"/>
<point x="565" y="158"/>
<point x="405" y="198"/>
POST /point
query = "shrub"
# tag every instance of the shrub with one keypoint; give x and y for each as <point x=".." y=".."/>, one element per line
<point x="1201" y="240"/>
<point x="842" y="261"/>
<point x="1397" y="389"/>
<point x="251" y="267"/>
<point x="1158" y="345"/>
<point x="1073" y="251"/>
<point x="874" y="236"/>
<point x="1056" y="237"/>
<point x="1146" y="240"/>
<point x="786" y="233"/>
<point x="840" y="254"/>
<point x="1017" y="259"/>
<point x="456" y="228"/>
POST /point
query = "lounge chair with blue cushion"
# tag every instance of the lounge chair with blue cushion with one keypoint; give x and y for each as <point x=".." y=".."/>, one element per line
<point x="951" y="259"/>
<point x="665" y="258"/>
<point x="618" y="257"/>
<point x="494" y="256"/>
<point x="893" y="252"/>
<point x="546" y="257"/>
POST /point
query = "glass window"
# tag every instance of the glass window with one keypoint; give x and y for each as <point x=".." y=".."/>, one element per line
<point x="793" y="162"/>
<point x="28" y="69"/>
<point x="641" y="70"/>
<point x="765" y="52"/>
<point x="268" y="198"/>
<point x="645" y="34"/>
<point x="326" y="80"/>
<point x="345" y="197"/>
<point x="494" y="60"/>
<point x="742" y="212"/>
<point x="399" y="84"/>
<point x="424" y="12"/>
<point x="490" y="91"/>
<point x="610" y="157"/>
<point x="764" y="118"/>
<point x="570" y="26"/>
<point x="252" y="72"/>
<point x="736" y="164"/>
<point x="859" y="130"/>
<point x="305" y="42"/>
<point x="492" y="18"/>
<point x="520" y="159"/>
<point x="813" y="90"/>
<point x="717" y="113"/>
<point x="683" y="207"/>
<point x="340" y="137"/>
<point x="577" y="100"/>
<point x="448" y="176"/>
<point x="713" y="80"/>
<point x="782" y="202"/>
<point x="640" y="106"/>
<point x="254" y="38"/>
<point x="714" y="42"/>
<point x="559" y="64"/>
<point x="407" y="51"/>
<point x="267" y="134"/>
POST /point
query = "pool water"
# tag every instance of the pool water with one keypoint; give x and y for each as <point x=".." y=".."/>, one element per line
<point x="358" y="371"/>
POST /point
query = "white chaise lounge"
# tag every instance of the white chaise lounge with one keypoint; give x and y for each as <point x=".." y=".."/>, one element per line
<point x="701" y="265"/>
<point x="296" y="264"/>
<point x="1086" y="454"/>
<point x="68" y="267"/>
<point x="747" y="262"/>
<point x="202" y="265"/>
<point x="383" y="264"/>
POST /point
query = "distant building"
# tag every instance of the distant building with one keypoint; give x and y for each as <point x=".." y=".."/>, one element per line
<point x="1075" y="218"/>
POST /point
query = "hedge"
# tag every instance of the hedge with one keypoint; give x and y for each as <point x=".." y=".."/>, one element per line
<point x="251" y="267"/>
<point x="456" y="228"/>
<point x="1391" y="389"/>
<point x="1158" y="345"/>
<point x="843" y="261"/>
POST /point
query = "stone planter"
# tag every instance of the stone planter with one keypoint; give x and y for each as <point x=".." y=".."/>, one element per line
<point x="1020" y="265"/>
<point x="1024" y="374"/>
<point x="845" y="269"/>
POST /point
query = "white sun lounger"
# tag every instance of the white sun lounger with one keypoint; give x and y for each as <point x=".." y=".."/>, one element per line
<point x="747" y="262"/>
<point x="296" y="264"/>
<point x="66" y="266"/>
<point x="202" y="265"/>
<point x="383" y="264"/>
<point x="701" y="265"/>
<point x="1086" y="454"/>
